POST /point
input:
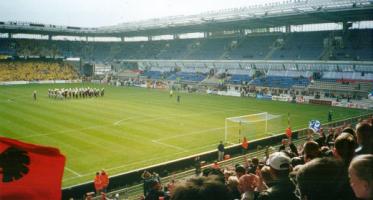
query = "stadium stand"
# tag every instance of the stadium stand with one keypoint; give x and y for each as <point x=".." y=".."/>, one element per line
<point x="322" y="65"/>
<point x="301" y="46"/>
<point x="208" y="49"/>
<point x="353" y="45"/>
<point x="187" y="76"/>
<point x="252" y="47"/>
<point x="32" y="71"/>
<point x="282" y="79"/>
<point x="289" y="46"/>
<point x="264" y="155"/>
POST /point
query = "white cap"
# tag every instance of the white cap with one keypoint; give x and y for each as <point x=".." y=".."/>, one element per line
<point x="279" y="161"/>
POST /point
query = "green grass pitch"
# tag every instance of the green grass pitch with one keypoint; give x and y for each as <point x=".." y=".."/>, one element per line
<point x="130" y="128"/>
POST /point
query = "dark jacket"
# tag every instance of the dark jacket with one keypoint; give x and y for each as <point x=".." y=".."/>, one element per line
<point x="280" y="190"/>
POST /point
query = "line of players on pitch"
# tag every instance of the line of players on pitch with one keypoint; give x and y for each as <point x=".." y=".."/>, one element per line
<point x="75" y="93"/>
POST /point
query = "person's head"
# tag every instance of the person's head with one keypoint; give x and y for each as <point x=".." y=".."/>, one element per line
<point x="364" y="134"/>
<point x="266" y="175"/>
<point x="232" y="183"/>
<point x="255" y="161"/>
<point x="344" y="148"/>
<point x="240" y="170"/>
<point x="201" y="188"/>
<point x="228" y="173"/>
<point x="361" y="176"/>
<point x="319" y="178"/>
<point x="349" y="130"/>
<point x="285" y="142"/>
<point x="247" y="183"/>
<point x="280" y="165"/>
<point x="311" y="150"/>
<point x="146" y="174"/>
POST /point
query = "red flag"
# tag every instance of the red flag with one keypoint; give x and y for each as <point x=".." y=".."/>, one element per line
<point x="29" y="171"/>
<point x="288" y="132"/>
<point x="245" y="143"/>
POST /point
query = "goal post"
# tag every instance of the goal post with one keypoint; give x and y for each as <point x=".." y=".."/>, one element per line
<point x="251" y="126"/>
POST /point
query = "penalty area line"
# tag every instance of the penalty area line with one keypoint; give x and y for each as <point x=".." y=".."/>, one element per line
<point x="72" y="171"/>
<point x="170" y="145"/>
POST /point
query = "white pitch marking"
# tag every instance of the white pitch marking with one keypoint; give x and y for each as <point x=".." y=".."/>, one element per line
<point x="132" y="163"/>
<point x="126" y="119"/>
<point x="74" y="172"/>
<point x="170" y="145"/>
<point x="191" y="133"/>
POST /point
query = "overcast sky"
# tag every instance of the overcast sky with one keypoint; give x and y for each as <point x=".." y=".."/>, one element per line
<point x="95" y="13"/>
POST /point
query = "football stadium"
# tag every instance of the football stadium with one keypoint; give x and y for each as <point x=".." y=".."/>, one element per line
<point x="163" y="107"/>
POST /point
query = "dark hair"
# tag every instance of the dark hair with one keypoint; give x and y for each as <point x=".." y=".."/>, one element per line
<point x="311" y="150"/>
<point x="345" y="147"/>
<point x="321" y="179"/>
<point x="240" y="169"/>
<point x="349" y="130"/>
<point x="364" y="132"/>
<point x="255" y="161"/>
<point x="201" y="188"/>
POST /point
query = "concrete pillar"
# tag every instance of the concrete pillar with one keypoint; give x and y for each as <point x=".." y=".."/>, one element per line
<point x="205" y="34"/>
<point x="287" y="28"/>
<point x="242" y="33"/>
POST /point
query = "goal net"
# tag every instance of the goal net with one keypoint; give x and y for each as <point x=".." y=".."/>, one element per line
<point x="251" y="126"/>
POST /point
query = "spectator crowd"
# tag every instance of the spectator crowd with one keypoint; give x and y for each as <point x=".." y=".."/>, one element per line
<point x="36" y="71"/>
<point x="337" y="165"/>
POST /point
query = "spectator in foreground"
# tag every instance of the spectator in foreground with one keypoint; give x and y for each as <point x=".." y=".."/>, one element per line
<point x="147" y="178"/>
<point x="320" y="179"/>
<point x="240" y="170"/>
<point x="311" y="150"/>
<point x="361" y="176"/>
<point x="247" y="185"/>
<point x="155" y="191"/>
<point x="364" y="137"/>
<point x="232" y="185"/>
<point x="344" y="148"/>
<point x="201" y="188"/>
<point x="282" y="188"/>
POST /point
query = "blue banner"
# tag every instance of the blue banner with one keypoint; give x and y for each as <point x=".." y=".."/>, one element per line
<point x="315" y="125"/>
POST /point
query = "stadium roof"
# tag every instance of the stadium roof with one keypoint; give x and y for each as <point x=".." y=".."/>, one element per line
<point x="272" y="15"/>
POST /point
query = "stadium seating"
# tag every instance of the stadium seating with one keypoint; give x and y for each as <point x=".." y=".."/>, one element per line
<point x="239" y="78"/>
<point x="187" y="76"/>
<point x="31" y="71"/>
<point x="280" y="79"/>
<point x="301" y="46"/>
<point x="152" y="74"/>
<point x="209" y="49"/>
<point x="357" y="45"/>
<point x="252" y="47"/>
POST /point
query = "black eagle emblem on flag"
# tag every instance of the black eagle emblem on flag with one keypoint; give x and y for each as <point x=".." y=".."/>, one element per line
<point x="14" y="164"/>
